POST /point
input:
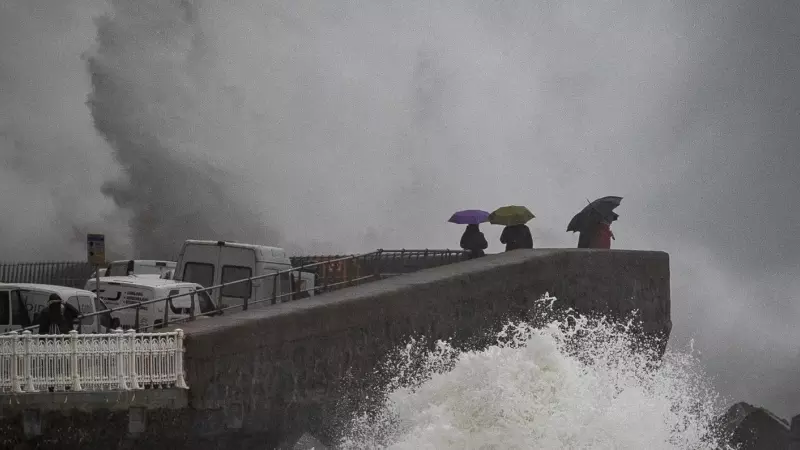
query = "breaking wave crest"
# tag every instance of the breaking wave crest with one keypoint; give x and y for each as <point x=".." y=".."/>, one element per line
<point x="574" y="383"/>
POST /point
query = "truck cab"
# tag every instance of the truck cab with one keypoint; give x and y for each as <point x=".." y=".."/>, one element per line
<point x="124" y="268"/>
<point x="121" y="291"/>
<point x="211" y="263"/>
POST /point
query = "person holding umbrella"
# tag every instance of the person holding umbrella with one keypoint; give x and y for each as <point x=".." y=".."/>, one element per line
<point x="593" y="223"/>
<point x="473" y="240"/>
<point x="515" y="234"/>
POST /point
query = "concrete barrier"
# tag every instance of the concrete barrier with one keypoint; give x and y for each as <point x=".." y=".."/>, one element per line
<point x="264" y="376"/>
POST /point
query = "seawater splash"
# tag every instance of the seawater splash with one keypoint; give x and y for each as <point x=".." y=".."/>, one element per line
<point x="575" y="383"/>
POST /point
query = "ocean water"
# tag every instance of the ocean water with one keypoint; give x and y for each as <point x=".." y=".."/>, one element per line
<point x="556" y="387"/>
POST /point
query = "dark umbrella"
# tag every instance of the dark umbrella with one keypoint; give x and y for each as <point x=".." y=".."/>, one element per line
<point x="602" y="208"/>
<point x="469" y="217"/>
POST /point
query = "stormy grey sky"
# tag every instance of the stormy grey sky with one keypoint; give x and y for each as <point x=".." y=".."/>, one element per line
<point x="350" y="125"/>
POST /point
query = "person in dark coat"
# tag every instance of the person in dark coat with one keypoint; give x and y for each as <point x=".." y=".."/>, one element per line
<point x="585" y="236"/>
<point x="54" y="321"/>
<point x="474" y="241"/>
<point x="516" y="236"/>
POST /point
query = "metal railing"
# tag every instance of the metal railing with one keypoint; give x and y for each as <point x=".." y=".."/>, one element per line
<point x="333" y="272"/>
<point x="132" y="360"/>
<point x="91" y="362"/>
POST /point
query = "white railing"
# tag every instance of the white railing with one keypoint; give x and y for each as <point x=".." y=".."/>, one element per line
<point x="91" y="362"/>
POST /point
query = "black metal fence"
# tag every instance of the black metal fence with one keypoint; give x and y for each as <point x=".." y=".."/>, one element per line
<point x="65" y="273"/>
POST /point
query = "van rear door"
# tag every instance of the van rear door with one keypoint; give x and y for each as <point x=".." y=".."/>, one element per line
<point x="235" y="264"/>
<point x="199" y="263"/>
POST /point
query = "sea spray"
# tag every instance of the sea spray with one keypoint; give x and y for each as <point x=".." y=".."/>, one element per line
<point x="572" y="383"/>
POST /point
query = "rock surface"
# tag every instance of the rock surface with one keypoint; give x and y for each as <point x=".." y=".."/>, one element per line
<point x="794" y="434"/>
<point x="304" y="442"/>
<point x="754" y="428"/>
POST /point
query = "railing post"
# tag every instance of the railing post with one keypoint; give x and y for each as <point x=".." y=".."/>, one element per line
<point x="191" y="308"/>
<point x="325" y="276"/>
<point x="27" y="369"/>
<point x="136" y="324"/>
<point x="274" y="289"/>
<point x="15" y="387"/>
<point x="120" y="360"/>
<point x="130" y="338"/>
<point x="180" y="380"/>
<point x="167" y="306"/>
<point x="74" y="372"/>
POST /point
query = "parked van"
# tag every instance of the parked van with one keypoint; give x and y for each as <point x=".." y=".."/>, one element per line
<point x="138" y="267"/>
<point x="141" y="267"/>
<point x="210" y="263"/>
<point x="21" y="305"/>
<point x="122" y="291"/>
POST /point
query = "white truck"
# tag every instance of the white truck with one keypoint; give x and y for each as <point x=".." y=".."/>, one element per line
<point x="122" y="291"/>
<point x="147" y="267"/>
<point x="211" y="263"/>
<point x="21" y="305"/>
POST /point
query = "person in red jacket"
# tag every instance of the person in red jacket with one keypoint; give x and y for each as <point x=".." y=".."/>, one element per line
<point x="602" y="236"/>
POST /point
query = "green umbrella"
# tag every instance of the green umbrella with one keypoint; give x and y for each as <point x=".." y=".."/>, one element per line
<point x="510" y="215"/>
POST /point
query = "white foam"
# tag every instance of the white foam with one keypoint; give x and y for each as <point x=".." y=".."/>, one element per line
<point x="580" y="387"/>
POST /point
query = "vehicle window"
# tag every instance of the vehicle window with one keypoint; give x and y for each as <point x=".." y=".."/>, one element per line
<point x="19" y="314"/>
<point x="36" y="302"/>
<point x="4" y="308"/>
<point x="148" y="270"/>
<point x="99" y="304"/>
<point x="179" y="305"/>
<point x="206" y="304"/>
<point x="117" y="269"/>
<point x="235" y="273"/>
<point x="76" y="303"/>
<point x="200" y="273"/>
<point x="105" y="319"/>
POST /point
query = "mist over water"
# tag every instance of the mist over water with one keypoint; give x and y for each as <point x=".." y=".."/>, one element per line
<point x="580" y="386"/>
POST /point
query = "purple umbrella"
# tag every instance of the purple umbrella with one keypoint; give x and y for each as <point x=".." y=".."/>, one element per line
<point x="469" y="216"/>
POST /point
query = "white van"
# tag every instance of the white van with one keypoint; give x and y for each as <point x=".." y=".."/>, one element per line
<point x="211" y="263"/>
<point x="122" y="291"/>
<point x="34" y="299"/>
<point x="124" y="268"/>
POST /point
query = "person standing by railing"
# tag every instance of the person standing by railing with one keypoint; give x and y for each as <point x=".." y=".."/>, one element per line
<point x="54" y="320"/>
<point x="474" y="241"/>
